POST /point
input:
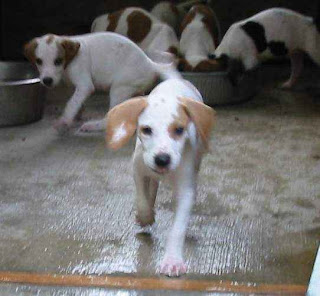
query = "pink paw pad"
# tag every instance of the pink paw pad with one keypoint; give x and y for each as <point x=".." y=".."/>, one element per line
<point x="173" y="267"/>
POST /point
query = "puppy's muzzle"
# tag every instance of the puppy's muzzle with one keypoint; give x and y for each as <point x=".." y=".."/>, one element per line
<point x="162" y="160"/>
<point x="47" y="81"/>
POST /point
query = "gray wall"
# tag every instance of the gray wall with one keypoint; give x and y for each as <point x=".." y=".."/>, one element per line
<point x="23" y="20"/>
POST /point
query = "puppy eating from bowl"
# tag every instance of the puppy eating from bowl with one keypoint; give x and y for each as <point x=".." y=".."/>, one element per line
<point x="173" y="128"/>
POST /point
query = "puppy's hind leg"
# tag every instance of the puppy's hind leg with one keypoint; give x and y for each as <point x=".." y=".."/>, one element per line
<point x="296" y="58"/>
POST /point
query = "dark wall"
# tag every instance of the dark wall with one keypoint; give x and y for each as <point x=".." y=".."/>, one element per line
<point x="23" y="20"/>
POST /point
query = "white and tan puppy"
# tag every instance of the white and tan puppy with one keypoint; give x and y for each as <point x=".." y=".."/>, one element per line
<point x="151" y="34"/>
<point x="276" y="32"/>
<point x="99" y="61"/>
<point x="173" y="128"/>
<point x="199" y="38"/>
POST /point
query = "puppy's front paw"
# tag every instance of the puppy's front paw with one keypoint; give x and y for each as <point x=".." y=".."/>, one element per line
<point x="62" y="125"/>
<point x="173" y="266"/>
<point x="89" y="127"/>
<point x="145" y="219"/>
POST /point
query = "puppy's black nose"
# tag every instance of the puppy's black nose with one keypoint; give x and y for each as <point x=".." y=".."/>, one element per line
<point x="162" y="160"/>
<point x="47" y="81"/>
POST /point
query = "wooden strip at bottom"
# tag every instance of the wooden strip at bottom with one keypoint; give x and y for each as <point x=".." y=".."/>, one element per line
<point x="135" y="283"/>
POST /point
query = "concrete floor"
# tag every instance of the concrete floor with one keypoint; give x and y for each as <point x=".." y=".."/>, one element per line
<point x="66" y="203"/>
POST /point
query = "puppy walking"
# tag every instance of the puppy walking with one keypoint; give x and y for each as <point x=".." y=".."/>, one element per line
<point x="173" y="128"/>
<point x="99" y="61"/>
<point x="274" y="32"/>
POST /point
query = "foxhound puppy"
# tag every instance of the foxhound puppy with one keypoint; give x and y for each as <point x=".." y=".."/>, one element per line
<point x="172" y="14"/>
<point x="173" y="127"/>
<point x="148" y="32"/>
<point x="199" y="38"/>
<point x="277" y="32"/>
<point x="99" y="61"/>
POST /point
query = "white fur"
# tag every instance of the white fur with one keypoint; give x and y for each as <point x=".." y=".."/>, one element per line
<point x="105" y="61"/>
<point x="160" y="38"/>
<point x="185" y="154"/>
<point x="297" y="31"/>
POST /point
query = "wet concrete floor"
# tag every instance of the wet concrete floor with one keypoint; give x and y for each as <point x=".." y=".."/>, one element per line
<point x="66" y="203"/>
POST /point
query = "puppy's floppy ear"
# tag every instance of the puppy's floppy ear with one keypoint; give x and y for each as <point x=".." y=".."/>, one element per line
<point x="29" y="50"/>
<point x="202" y="116"/>
<point x="71" y="49"/>
<point x="122" y="121"/>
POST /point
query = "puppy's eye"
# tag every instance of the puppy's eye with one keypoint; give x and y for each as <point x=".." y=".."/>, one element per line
<point x="58" y="61"/>
<point x="179" y="131"/>
<point x="38" y="61"/>
<point x="146" y="130"/>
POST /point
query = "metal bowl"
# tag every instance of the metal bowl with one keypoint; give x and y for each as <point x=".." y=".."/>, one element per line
<point x="216" y="88"/>
<point x="21" y="95"/>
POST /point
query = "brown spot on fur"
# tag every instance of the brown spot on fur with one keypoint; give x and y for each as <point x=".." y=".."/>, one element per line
<point x="50" y="38"/>
<point x="71" y="49"/>
<point x="184" y="66"/>
<point x="208" y="66"/>
<point x="208" y="19"/>
<point x="29" y="50"/>
<point x="113" y="19"/>
<point x="181" y="120"/>
<point x="202" y="116"/>
<point x="174" y="50"/>
<point x="124" y="115"/>
<point x="174" y="9"/>
<point x="139" y="26"/>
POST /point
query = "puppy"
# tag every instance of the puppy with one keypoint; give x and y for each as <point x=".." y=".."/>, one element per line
<point x="149" y="33"/>
<point x="100" y="61"/>
<point x="173" y="127"/>
<point x="274" y="32"/>
<point x="200" y="36"/>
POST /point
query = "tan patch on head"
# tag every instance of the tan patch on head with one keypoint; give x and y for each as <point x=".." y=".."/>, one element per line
<point x="201" y="115"/>
<point x="209" y="19"/>
<point x="29" y="50"/>
<point x="122" y="122"/>
<point x="113" y="19"/>
<point x="50" y="38"/>
<point x="209" y="66"/>
<point x="139" y="25"/>
<point x="180" y="121"/>
<point x="71" y="49"/>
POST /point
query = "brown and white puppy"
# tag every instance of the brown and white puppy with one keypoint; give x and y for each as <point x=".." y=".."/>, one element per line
<point x="173" y="128"/>
<point x="200" y="36"/>
<point x="140" y="26"/>
<point x="99" y="61"/>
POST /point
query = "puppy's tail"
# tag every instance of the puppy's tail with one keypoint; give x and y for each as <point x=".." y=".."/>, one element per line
<point x="165" y="65"/>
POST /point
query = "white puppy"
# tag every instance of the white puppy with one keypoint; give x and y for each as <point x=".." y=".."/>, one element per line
<point x="200" y="36"/>
<point x="173" y="127"/>
<point x="277" y="32"/>
<point x="100" y="61"/>
<point x="151" y="34"/>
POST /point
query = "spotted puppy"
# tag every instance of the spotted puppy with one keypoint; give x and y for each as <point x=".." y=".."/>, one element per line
<point x="173" y="127"/>
<point x="151" y="34"/>
<point x="99" y="61"/>
<point x="199" y="38"/>
<point x="276" y="32"/>
<point x="172" y="14"/>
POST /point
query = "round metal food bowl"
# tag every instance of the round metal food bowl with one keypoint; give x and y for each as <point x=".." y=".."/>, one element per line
<point x="21" y="95"/>
<point x="216" y="88"/>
